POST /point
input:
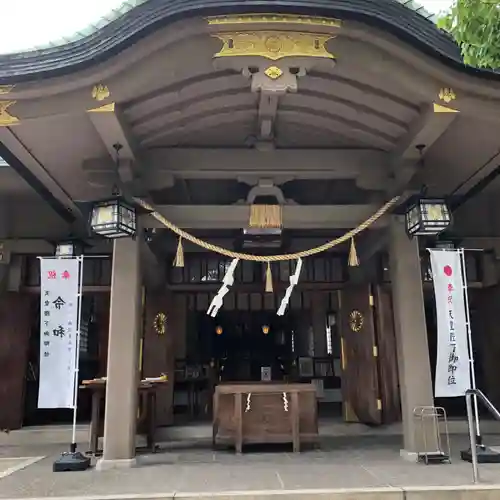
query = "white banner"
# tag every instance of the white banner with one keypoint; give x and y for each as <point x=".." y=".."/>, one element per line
<point x="452" y="362"/>
<point x="59" y="282"/>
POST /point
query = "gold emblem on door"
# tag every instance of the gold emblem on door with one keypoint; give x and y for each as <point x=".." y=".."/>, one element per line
<point x="356" y="320"/>
<point x="160" y="323"/>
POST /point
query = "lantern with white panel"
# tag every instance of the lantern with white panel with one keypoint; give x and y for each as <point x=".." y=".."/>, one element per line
<point x="427" y="217"/>
<point x="114" y="218"/>
<point x="69" y="248"/>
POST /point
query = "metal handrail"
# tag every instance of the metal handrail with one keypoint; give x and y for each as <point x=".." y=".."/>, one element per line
<point x="477" y="394"/>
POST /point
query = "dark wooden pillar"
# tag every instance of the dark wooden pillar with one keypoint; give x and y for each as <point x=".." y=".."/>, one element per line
<point x="15" y="325"/>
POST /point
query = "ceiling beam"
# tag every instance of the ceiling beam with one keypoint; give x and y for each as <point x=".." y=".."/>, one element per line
<point x="371" y="242"/>
<point x="112" y="127"/>
<point x="25" y="163"/>
<point x="212" y="163"/>
<point x="431" y="124"/>
<point x="237" y="217"/>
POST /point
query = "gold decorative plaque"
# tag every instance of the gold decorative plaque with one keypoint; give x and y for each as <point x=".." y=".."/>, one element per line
<point x="273" y="18"/>
<point x="356" y="320"/>
<point x="6" y="119"/>
<point x="274" y="45"/>
<point x="160" y="323"/>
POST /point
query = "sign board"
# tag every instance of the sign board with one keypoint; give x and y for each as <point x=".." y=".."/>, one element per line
<point x="452" y="361"/>
<point x="59" y="284"/>
<point x="265" y="374"/>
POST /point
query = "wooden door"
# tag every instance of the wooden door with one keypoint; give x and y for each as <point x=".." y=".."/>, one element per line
<point x="15" y="322"/>
<point x="360" y="383"/>
<point x="387" y="357"/>
<point x="161" y="325"/>
<point x="102" y="304"/>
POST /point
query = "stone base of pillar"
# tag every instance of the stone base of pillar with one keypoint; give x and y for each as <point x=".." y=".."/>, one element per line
<point x="103" y="464"/>
<point x="408" y="456"/>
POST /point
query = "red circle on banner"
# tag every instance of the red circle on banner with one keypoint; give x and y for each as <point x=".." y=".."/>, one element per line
<point x="448" y="271"/>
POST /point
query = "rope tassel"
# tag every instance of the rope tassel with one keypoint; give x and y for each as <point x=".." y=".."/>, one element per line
<point x="353" y="255"/>
<point x="179" y="256"/>
<point x="266" y="216"/>
<point x="269" y="279"/>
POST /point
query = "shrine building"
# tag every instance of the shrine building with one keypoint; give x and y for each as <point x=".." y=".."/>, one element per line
<point x="318" y="112"/>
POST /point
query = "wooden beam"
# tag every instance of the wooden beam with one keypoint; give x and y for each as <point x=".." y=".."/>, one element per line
<point x="213" y="163"/>
<point x="39" y="178"/>
<point x="237" y="216"/>
<point x="431" y="124"/>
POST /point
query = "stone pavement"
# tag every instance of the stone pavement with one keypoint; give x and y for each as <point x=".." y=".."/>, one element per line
<point x="344" y="467"/>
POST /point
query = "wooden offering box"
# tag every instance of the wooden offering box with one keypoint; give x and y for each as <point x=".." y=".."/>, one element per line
<point x="265" y="413"/>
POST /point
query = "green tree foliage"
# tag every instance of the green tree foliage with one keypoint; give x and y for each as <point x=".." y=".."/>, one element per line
<point x="475" y="25"/>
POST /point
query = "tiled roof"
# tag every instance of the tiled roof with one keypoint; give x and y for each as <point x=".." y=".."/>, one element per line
<point x="411" y="4"/>
<point x="135" y="19"/>
<point x="128" y="5"/>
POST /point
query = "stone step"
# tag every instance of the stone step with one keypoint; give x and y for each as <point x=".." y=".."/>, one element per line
<point x="473" y="492"/>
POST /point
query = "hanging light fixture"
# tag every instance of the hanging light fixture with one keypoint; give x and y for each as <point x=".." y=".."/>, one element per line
<point x="427" y="216"/>
<point x="68" y="248"/>
<point x="114" y="217"/>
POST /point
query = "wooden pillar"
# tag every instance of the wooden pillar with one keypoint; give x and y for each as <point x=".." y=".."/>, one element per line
<point x="411" y="334"/>
<point x="120" y="418"/>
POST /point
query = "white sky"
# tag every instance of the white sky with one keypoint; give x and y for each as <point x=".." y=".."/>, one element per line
<point x="31" y="23"/>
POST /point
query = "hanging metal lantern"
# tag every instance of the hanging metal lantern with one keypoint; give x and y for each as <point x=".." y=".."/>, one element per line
<point x="427" y="216"/>
<point x="114" y="218"/>
<point x="69" y="248"/>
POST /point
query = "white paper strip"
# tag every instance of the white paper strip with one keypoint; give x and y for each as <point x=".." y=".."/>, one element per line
<point x="227" y="282"/>
<point x="58" y="332"/>
<point x="452" y="361"/>
<point x="294" y="279"/>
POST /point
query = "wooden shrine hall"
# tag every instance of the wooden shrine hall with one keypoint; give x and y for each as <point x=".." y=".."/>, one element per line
<point x="320" y="113"/>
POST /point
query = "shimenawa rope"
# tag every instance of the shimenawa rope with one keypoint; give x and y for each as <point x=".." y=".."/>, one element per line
<point x="267" y="258"/>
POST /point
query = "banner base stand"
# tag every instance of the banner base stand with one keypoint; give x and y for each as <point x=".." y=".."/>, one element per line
<point x="485" y="455"/>
<point x="71" y="462"/>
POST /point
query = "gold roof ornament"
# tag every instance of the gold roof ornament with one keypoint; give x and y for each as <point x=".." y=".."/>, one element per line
<point x="100" y="92"/>
<point x="6" y="119"/>
<point x="274" y="45"/>
<point x="438" y="108"/>
<point x="273" y="72"/>
<point x="447" y="95"/>
<point x="105" y="108"/>
<point x="273" y="19"/>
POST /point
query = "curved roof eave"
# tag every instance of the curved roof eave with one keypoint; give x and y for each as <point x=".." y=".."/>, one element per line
<point x="136" y="19"/>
